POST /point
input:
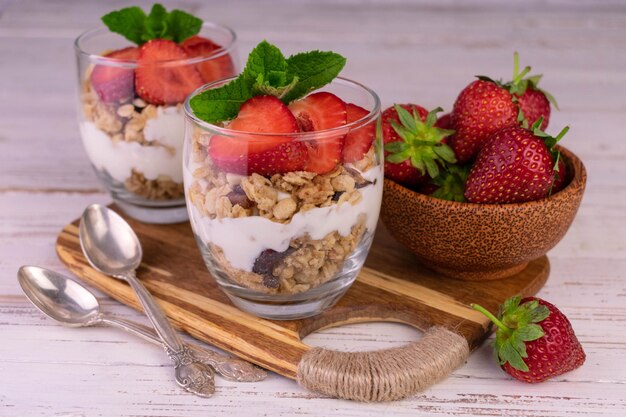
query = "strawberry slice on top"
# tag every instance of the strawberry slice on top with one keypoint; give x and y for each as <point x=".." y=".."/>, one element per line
<point x="113" y="83"/>
<point x="262" y="154"/>
<point x="321" y="111"/>
<point x="160" y="82"/>
<point x="359" y="140"/>
<point x="210" y="69"/>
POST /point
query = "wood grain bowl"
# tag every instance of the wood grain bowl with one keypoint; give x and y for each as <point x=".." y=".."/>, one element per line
<point x="479" y="242"/>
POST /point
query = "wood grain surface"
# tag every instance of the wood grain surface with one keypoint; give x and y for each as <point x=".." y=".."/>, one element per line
<point x="422" y="51"/>
<point x="392" y="286"/>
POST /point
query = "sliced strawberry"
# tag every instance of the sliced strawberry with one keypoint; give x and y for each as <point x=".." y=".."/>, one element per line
<point x="160" y="82"/>
<point x="114" y="83"/>
<point x="211" y="69"/>
<point x="321" y="111"/>
<point x="265" y="155"/>
<point x="359" y="140"/>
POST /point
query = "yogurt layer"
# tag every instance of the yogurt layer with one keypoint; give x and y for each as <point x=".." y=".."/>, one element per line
<point x="243" y="239"/>
<point x="119" y="158"/>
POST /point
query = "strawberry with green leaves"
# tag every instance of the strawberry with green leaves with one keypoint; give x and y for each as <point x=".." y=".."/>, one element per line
<point x="534" y="340"/>
<point x="414" y="150"/>
<point x="486" y="106"/>
<point x="448" y="185"/>
<point x="516" y="165"/>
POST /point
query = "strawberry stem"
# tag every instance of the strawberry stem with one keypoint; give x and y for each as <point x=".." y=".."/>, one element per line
<point x="491" y="317"/>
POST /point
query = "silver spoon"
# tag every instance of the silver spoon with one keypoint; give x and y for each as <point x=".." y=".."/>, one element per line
<point x="112" y="247"/>
<point x="70" y="303"/>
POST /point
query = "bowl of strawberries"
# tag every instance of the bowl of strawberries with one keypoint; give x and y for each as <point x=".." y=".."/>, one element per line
<point x="479" y="193"/>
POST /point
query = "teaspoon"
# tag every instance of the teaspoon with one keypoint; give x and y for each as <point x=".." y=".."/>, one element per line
<point x="70" y="303"/>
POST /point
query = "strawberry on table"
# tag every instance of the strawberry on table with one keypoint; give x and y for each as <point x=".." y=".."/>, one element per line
<point x="321" y="111"/>
<point x="516" y="165"/>
<point x="265" y="155"/>
<point x="414" y="150"/>
<point x="160" y="82"/>
<point x="214" y="68"/>
<point x="534" y="340"/>
<point x="115" y="83"/>
<point x="359" y="140"/>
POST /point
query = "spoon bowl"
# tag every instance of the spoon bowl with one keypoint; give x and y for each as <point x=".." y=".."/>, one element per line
<point x="58" y="297"/>
<point x="111" y="243"/>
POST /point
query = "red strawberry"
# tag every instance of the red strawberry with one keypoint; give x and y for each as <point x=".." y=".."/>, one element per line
<point x="486" y="106"/>
<point x="321" y="111"/>
<point x="214" y="68"/>
<point x="265" y="155"/>
<point x="481" y="109"/>
<point x="413" y="145"/>
<point x="445" y="121"/>
<point x="534" y="104"/>
<point x="113" y="83"/>
<point x="534" y="340"/>
<point x="516" y="165"/>
<point x="160" y="82"/>
<point x="359" y="140"/>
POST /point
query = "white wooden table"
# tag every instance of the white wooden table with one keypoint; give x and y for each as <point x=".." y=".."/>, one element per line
<point x="423" y="52"/>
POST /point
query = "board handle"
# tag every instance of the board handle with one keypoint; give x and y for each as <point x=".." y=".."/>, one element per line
<point x="384" y="375"/>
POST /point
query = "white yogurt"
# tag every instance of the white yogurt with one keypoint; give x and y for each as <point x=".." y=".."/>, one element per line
<point x="119" y="158"/>
<point x="243" y="239"/>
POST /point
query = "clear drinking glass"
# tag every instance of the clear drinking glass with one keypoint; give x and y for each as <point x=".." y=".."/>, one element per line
<point x="134" y="143"/>
<point x="288" y="245"/>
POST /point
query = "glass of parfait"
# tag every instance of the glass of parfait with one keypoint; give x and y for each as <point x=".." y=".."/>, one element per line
<point x="131" y="112"/>
<point x="284" y="199"/>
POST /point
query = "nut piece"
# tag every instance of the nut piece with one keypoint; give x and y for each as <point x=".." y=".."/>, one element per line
<point x="343" y="183"/>
<point x="284" y="208"/>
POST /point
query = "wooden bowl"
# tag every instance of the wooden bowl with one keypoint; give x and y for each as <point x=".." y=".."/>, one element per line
<point x="480" y="242"/>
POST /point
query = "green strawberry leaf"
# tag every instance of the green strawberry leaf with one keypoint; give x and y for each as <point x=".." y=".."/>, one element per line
<point x="530" y="332"/>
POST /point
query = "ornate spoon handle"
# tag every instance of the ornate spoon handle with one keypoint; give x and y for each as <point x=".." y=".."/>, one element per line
<point x="230" y="368"/>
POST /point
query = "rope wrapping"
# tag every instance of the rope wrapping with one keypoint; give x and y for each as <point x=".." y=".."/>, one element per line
<point x="384" y="375"/>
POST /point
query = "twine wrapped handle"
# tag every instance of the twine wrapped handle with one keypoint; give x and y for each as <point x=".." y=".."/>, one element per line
<point x="384" y="375"/>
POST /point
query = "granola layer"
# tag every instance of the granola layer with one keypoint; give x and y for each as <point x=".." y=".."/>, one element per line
<point x="125" y="122"/>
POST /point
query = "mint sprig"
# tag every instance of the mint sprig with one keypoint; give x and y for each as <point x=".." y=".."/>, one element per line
<point x="139" y="28"/>
<point x="268" y="72"/>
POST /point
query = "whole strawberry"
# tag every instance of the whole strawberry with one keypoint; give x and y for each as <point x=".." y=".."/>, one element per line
<point x="414" y="149"/>
<point x="481" y="109"/>
<point x="516" y="165"/>
<point x="534" y="340"/>
<point x="486" y="106"/>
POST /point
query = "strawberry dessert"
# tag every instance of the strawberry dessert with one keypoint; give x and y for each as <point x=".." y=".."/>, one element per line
<point x="283" y="178"/>
<point x="131" y="98"/>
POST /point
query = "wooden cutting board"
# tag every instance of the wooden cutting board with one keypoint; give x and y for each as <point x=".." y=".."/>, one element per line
<point x="392" y="286"/>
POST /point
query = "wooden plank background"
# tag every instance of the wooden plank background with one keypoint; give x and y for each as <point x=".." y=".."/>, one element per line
<point x="421" y="51"/>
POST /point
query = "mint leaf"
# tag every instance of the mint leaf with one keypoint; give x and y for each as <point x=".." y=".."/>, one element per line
<point x="314" y="70"/>
<point x="182" y="25"/>
<point x="129" y="22"/>
<point x="156" y="24"/>
<point x="265" y="59"/>
<point x="134" y="25"/>
<point x="267" y="72"/>
<point x="222" y="103"/>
